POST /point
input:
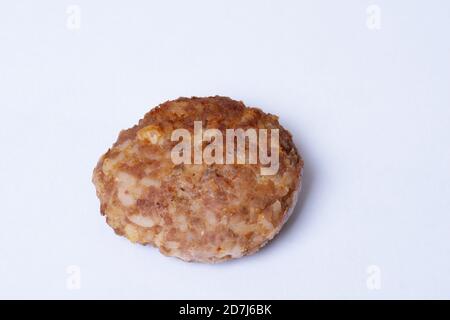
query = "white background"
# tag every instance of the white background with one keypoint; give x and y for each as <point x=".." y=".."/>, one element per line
<point x="369" y="110"/>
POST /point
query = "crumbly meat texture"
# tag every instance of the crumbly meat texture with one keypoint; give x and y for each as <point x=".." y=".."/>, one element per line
<point x="196" y="212"/>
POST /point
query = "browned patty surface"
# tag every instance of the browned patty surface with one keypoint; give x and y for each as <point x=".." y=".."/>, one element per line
<point x="196" y="212"/>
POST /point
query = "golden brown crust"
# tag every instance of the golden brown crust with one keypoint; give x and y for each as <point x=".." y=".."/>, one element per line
<point x="196" y="212"/>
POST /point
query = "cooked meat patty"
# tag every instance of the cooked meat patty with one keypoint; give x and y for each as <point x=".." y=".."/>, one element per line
<point x="206" y="212"/>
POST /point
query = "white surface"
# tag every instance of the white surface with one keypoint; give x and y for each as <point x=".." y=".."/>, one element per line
<point x="369" y="109"/>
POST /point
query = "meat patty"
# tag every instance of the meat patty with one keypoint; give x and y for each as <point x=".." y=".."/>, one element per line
<point x="197" y="211"/>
